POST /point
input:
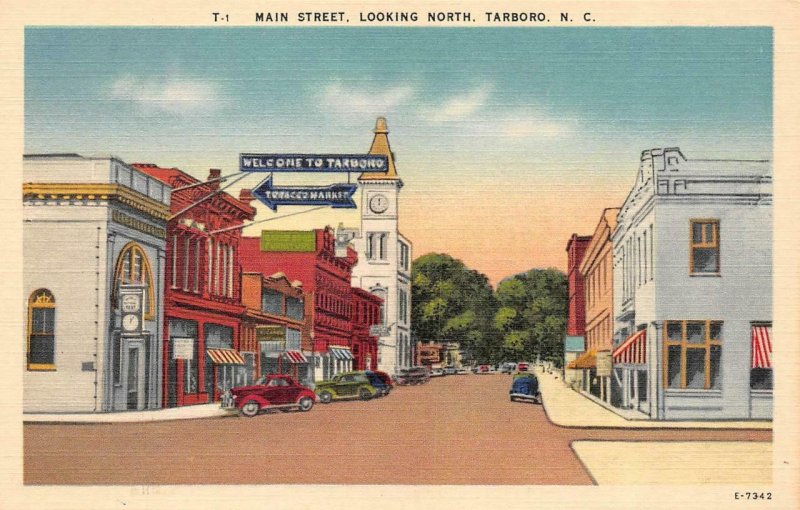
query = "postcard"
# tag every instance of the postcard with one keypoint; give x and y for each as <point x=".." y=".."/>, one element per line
<point x="400" y="254"/>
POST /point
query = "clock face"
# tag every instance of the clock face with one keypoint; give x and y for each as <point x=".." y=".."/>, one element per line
<point x="378" y="203"/>
<point x="130" y="322"/>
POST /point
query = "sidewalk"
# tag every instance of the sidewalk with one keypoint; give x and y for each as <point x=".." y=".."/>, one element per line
<point x="176" y="413"/>
<point x="568" y="408"/>
<point x="665" y="463"/>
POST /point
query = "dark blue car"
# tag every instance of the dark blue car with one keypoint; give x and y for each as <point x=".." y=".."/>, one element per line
<point x="525" y="387"/>
<point x="377" y="382"/>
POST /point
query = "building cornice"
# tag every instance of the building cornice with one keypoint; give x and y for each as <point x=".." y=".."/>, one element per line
<point x="96" y="192"/>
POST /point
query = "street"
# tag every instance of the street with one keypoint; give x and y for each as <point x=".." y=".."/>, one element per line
<point x="453" y="430"/>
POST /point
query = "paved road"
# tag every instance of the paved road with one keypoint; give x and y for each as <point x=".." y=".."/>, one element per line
<point x="454" y="430"/>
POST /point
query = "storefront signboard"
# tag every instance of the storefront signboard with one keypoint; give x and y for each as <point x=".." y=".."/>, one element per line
<point x="270" y="334"/>
<point x="183" y="348"/>
<point x="603" y="364"/>
<point x="315" y="163"/>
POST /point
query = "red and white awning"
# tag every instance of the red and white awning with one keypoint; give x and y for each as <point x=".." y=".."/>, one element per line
<point x="295" y="357"/>
<point x="633" y="350"/>
<point x="762" y="346"/>
<point x="225" y="357"/>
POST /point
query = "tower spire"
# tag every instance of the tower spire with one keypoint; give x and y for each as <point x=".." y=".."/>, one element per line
<point x="380" y="146"/>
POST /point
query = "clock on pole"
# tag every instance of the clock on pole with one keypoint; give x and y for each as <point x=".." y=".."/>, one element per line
<point x="131" y="299"/>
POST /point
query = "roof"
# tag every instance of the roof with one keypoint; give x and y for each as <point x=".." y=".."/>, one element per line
<point x="380" y="146"/>
<point x="176" y="178"/>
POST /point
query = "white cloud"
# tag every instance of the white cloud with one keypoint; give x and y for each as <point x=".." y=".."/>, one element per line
<point x="172" y="95"/>
<point x="462" y="106"/>
<point x="340" y="98"/>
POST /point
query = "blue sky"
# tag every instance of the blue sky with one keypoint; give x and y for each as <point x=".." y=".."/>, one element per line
<point x="560" y="109"/>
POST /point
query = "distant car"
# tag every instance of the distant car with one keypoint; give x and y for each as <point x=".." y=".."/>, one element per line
<point x="462" y="371"/>
<point x="345" y="386"/>
<point x="412" y="376"/>
<point x="272" y="391"/>
<point x="437" y="372"/>
<point x="523" y="366"/>
<point x="507" y="368"/>
<point x="378" y="382"/>
<point x="525" y="387"/>
<point x="483" y="369"/>
<point x="450" y="370"/>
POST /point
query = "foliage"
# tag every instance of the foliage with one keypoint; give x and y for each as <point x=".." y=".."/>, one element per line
<point x="524" y="319"/>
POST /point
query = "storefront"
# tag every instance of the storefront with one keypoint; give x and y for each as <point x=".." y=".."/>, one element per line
<point x="629" y="384"/>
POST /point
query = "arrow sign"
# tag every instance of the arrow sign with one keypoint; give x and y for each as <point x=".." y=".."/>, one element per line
<point x="338" y="196"/>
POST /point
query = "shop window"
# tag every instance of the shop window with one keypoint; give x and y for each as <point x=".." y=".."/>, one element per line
<point x="41" y="330"/>
<point x="294" y="308"/>
<point x="704" y="247"/>
<point x="134" y="268"/>
<point x="693" y="355"/>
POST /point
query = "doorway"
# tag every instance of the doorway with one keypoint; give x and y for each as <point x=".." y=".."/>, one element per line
<point x="134" y="383"/>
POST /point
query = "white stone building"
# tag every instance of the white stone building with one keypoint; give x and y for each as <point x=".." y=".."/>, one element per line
<point x="693" y="289"/>
<point x="384" y="256"/>
<point x="92" y="227"/>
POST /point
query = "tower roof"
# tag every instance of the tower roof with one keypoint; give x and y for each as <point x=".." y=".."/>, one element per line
<point x="380" y="145"/>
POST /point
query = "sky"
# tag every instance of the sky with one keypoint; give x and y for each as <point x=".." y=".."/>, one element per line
<point x="508" y="140"/>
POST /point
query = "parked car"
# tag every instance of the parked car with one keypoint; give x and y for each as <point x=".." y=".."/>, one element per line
<point x="384" y="377"/>
<point x="462" y="371"/>
<point x="273" y="392"/>
<point x="507" y="368"/>
<point x="450" y="370"/>
<point x="378" y="382"/>
<point x="523" y="366"/>
<point x="525" y="387"/>
<point x="437" y="372"/>
<point x="344" y="386"/>
<point x="484" y="369"/>
<point x="412" y="375"/>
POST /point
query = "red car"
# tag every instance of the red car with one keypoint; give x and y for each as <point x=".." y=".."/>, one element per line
<point x="272" y="392"/>
<point x="385" y="378"/>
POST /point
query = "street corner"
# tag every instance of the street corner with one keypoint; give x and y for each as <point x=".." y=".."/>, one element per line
<point x="665" y="463"/>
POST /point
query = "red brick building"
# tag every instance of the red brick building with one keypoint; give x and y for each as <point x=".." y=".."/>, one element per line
<point x="310" y="257"/>
<point x="366" y="312"/>
<point x="276" y="328"/>
<point x="576" y="306"/>
<point x="202" y="297"/>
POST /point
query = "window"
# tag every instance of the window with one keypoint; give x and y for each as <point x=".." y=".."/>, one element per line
<point x="294" y="308"/>
<point x="692" y="355"/>
<point x="652" y="246"/>
<point x="403" y="306"/>
<point x="761" y="371"/>
<point x="186" y="261"/>
<point x="704" y="257"/>
<point x="41" y="330"/>
<point x="197" y="266"/>
<point x="644" y="239"/>
<point x="381" y="293"/>
<point x="271" y="301"/>
<point x="134" y="268"/>
<point x="174" y="261"/>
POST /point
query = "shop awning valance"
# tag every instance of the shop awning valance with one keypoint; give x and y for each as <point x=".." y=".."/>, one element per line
<point x="585" y="361"/>
<point x="762" y="346"/>
<point x="341" y="353"/>
<point x="225" y="357"/>
<point x="633" y="350"/>
<point x="295" y="357"/>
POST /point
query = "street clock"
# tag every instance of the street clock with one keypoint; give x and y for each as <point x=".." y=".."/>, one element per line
<point x="131" y="299"/>
<point x="378" y="203"/>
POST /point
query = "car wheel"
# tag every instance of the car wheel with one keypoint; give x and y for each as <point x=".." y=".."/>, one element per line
<point x="364" y="394"/>
<point x="250" y="408"/>
<point x="325" y="397"/>
<point x="305" y="404"/>
<point x="511" y="399"/>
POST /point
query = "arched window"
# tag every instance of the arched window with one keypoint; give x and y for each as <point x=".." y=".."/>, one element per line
<point x="133" y="267"/>
<point x="381" y="293"/>
<point x="41" y="330"/>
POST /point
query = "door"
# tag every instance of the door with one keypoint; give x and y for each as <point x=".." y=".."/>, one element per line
<point x="134" y="378"/>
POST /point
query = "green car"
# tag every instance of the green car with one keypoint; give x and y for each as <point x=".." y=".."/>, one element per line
<point x="345" y="385"/>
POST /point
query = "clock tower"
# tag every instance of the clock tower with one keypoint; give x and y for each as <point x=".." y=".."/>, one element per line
<point x="384" y="256"/>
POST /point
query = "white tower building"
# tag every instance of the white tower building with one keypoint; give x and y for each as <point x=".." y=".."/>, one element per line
<point x="384" y="261"/>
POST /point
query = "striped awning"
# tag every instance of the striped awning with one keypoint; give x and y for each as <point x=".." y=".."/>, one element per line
<point x="225" y="357"/>
<point x="341" y="353"/>
<point x="762" y="346"/>
<point x="295" y="357"/>
<point x="585" y="361"/>
<point x="633" y="350"/>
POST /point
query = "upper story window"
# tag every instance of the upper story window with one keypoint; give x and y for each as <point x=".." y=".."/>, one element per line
<point x="272" y="301"/>
<point x="294" y="308"/>
<point x="377" y="244"/>
<point x="41" y="330"/>
<point x="704" y="258"/>
<point x="134" y="268"/>
<point x="403" y="255"/>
